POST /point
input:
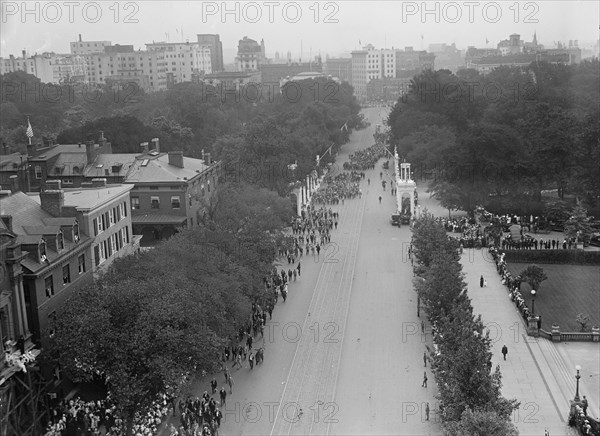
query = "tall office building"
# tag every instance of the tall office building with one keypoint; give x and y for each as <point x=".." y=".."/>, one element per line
<point x="216" y="50"/>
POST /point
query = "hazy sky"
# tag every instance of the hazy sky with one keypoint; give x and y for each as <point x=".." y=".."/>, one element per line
<point x="327" y="27"/>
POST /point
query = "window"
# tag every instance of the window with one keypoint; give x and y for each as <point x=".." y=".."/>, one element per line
<point x="38" y="172"/>
<point x="97" y="255"/>
<point x="49" y="285"/>
<point x="111" y="215"/>
<point x="43" y="255"/>
<point x="102" y="224"/>
<point x="175" y="202"/>
<point x="124" y="209"/>
<point x="117" y="213"/>
<point x="60" y="241"/>
<point x="155" y="202"/>
<point x="102" y="251"/>
<point x="76" y="231"/>
<point x="81" y="264"/>
<point x="153" y="188"/>
<point x="66" y="274"/>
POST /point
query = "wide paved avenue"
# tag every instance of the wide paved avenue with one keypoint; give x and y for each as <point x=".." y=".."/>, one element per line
<point x="344" y="353"/>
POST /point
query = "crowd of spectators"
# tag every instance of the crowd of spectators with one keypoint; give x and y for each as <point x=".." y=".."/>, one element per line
<point x="512" y="283"/>
<point x="75" y="416"/>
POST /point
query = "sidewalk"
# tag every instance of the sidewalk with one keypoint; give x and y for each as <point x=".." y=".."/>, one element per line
<point x="533" y="372"/>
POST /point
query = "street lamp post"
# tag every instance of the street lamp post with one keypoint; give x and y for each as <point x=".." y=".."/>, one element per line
<point x="577" y="377"/>
<point x="532" y="302"/>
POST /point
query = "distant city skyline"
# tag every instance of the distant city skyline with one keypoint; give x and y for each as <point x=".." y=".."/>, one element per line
<point x="292" y="27"/>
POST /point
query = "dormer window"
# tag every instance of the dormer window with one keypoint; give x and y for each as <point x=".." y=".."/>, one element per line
<point x="60" y="242"/>
<point x="76" y="232"/>
<point x="42" y="248"/>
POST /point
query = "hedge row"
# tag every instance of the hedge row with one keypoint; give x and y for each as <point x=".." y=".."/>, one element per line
<point x="571" y="257"/>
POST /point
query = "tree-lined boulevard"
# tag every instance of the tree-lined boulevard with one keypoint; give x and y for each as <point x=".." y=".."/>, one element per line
<point x="345" y="351"/>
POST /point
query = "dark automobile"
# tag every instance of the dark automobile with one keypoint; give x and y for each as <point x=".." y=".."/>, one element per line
<point x="395" y="220"/>
<point x="405" y="218"/>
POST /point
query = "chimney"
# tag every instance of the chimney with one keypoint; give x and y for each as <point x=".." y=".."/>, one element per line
<point x="52" y="198"/>
<point x="89" y="152"/>
<point x="144" y="146"/>
<point x="80" y="37"/>
<point x="207" y="160"/>
<point x="156" y="144"/>
<point x="24" y="54"/>
<point x="102" y="139"/>
<point x="14" y="183"/>
<point x="176" y="158"/>
<point x="99" y="183"/>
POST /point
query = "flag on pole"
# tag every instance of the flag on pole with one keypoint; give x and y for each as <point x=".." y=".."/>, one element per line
<point x="29" y="131"/>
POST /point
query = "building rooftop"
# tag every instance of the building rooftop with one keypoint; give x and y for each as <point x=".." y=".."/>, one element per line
<point x="10" y="162"/>
<point x="147" y="169"/>
<point x="92" y="198"/>
<point x="69" y="163"/>
<point x="47" y="152"/>
<point x="26" y="212"/>
<point x="110" y="162"/>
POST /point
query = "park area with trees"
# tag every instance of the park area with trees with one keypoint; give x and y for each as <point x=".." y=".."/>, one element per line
<point x="503" y="140"/>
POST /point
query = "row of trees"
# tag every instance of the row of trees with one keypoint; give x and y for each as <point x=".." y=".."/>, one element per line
<point x="499" y="140"/>
<point x="158" y="318"/>
<point x="471" y="402"/>
<point x="261" y="130"/>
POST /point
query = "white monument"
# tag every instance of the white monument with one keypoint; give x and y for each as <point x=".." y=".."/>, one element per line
<point x="404" y="185"/>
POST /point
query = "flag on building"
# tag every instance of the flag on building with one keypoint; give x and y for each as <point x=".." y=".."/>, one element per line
<point x="29" y="131"/>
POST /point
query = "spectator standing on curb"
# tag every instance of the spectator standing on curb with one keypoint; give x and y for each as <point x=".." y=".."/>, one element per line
<point x="584" y="404"/>
<point x="230" y="383"/>
<point x="481" y="281"/>
<point x="425" y="358"/>
<point x="422" y="326"/>
<point x="427" y="412"/>
<point x="223" y="395"/>
<point x="504" y="351"/>
<point x="424" y="384"/>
